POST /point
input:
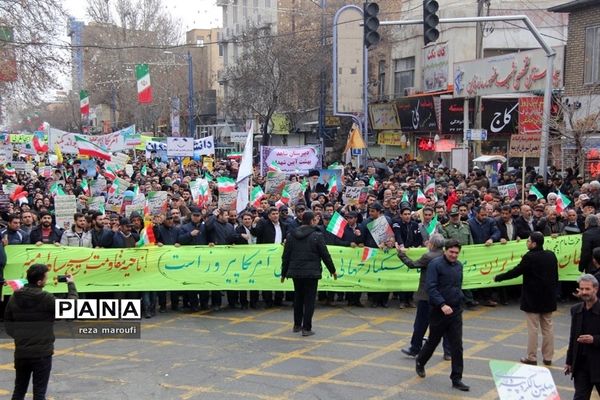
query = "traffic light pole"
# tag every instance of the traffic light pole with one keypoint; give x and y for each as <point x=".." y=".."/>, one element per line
<point x="550" y="53"/>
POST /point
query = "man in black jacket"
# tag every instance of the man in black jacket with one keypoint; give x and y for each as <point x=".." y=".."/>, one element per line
<point x="29" y="320"/>
<point x="101" y="237"/>
<point x="45" y="232"/>
<point x="539" y="269"/>
<point x="193" y="233"/>
<point x="583" y="354"/>
<point x="589" y="241"/>
<point x="270" y="230"/>
<point x="444" y="281"/>
<point x="219" y="231"/>
<point x="301" y="260"/>
<point x="167" y="234"/>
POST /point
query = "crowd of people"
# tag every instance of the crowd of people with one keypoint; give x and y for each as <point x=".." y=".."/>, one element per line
<point x="426" y="205"/>
<point x="467" y="208"/>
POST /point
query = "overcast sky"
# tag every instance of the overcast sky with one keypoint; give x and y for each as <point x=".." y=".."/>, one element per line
<point x="193" y="13"/>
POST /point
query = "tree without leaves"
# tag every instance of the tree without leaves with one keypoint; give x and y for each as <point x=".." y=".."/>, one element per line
<point x="35" y="23"/>
<point x="573" y="124"/>
<point x="274" y="74"/>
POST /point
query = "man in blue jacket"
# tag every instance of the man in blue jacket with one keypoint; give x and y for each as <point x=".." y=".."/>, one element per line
<point x="444" y="281"/>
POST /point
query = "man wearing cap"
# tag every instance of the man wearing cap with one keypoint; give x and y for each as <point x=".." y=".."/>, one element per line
<point x="457" y="229"/>
<point x="124" y="237"/>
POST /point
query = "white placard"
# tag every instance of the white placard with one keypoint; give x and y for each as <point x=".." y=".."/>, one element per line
<point x="204" y="146"/>
<point x="64" y="208"/>
<point x="239" y="137"/>
<point x="180" y="147"/>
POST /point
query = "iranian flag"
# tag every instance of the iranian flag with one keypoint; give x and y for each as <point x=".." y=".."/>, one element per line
<point x="333" y="187"/>
<point x="562" y="202"/>
<point x="274" y="167"/>
<point x="421" y="199"/>
<point x="373" y="183"/>
<point x="534" y="190"/>
<point x="146" y="236"/>
<point x="367" y="253"/>
<point x="405" y="197"/>
<point x="85" y="187"/>
<point x="56" y="189"/>
<point x="87" y="148"/>
<point x="110" y="173"/>
<point x="225" y="185"/>
<point x="19" y="194"/>
<point x="142" y="74"/>
<point x="256" y="195"/>
<point x="144" y="170"/>
<point x="203" y="193"/>
<point x="430" y="187"/>
<point x="9" y="171"/>
<point x="16" y="284"/>
<point x="432" y="224"/>
<point x="337" y="225"/>
<point x="84" y="103"/>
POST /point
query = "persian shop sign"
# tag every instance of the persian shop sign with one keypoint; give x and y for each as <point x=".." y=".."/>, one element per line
<point x="509" y="73"/>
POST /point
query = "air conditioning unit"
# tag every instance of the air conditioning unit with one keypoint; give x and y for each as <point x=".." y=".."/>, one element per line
<point x="410" y="91"/>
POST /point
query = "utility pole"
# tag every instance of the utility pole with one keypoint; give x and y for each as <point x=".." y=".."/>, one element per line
<point x="322" y="88"/>
<point x="478" y="55"/>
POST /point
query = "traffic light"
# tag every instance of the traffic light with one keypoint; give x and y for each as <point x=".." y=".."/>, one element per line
<point x="430" y="21"/>
<point x="371" y="24"/>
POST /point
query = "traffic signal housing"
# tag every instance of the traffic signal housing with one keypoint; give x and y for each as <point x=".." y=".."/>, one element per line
<point x="371" y="24"/>
<point x="430" y="21"/>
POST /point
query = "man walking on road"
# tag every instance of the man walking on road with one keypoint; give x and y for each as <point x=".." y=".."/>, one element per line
<point x="539" y="268"/>
<point x="302" y="255"/>
<point x="583" y="355"/>
<point x="444" y="281"/>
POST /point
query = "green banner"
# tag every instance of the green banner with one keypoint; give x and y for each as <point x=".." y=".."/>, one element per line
<point x="258" y="267"/>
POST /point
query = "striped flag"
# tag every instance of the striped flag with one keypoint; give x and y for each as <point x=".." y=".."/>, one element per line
<point x="421" y="199"/>
<point x="56" y="189"/>
<point x="562" y="202"/>
<point x="144" y="170"/>
<point x="274" y="167"/>
<point x="432" y="225"/>
<point x="146" y="236"/>
<point x="225" y="184"/>
<point x="208" y="176"/>
<point x="337" y="225"/>
<point x="39" y="145"/>
<point x="19" y="195"/>
<point x="536" y="192"/>
<point x="405" y="197"/>
<point x="144" y="88"/>
<point x="373" y="183"/>
<point x="85" y="186"/>
<point x="430" y="187"/>
<point x="256" y="196"/>
<point x="84" y="103"/>
<point x="333" y="187"/>
<point x="110" y="173"/>
<point x="367" y="253"/>
<point x="15" y="284"/>
<point x="9" y="171"/>
<point x="87" y="148"/>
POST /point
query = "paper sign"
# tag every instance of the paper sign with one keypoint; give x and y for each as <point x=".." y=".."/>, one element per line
<point x="295" y="191"/>
<point x="204" y="147"/>
<point x="509" y="190"/>
<point x="64" y="208"/>
<point x="134" y="208"/>
<point x="516" y="381"/>
<point x="351" y="195"/>
<point x="95" y="203"/>
<point x="157" y="202"/>
<point x="180" y="147"/>
<point x="381" y="230"/>
<point x="275" y="182"/>
<point x="227" y="200"/>
<point x="114" y="202"/>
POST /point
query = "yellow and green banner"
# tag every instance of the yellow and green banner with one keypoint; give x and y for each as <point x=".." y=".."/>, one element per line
<point x="258" y="267"/>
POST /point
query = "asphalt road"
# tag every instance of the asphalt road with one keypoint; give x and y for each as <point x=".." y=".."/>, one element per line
<point x="235" y="354"/>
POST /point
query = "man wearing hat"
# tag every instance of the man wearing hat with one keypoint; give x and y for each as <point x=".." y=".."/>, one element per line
<point x="457" y="229"/>
<point x="193" y="233"/>
<point x="124" y="237"/>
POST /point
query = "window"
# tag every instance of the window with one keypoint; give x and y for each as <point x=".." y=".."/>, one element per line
<point x="381" y="80"/>
<point x="592" y="55"/>
<point x="404" y="75"/>
<point x="245" y="10"/>
<point x="235" y="14"/>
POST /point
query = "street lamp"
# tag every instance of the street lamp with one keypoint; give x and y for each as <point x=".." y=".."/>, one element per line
<point x="188" y="58"/>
